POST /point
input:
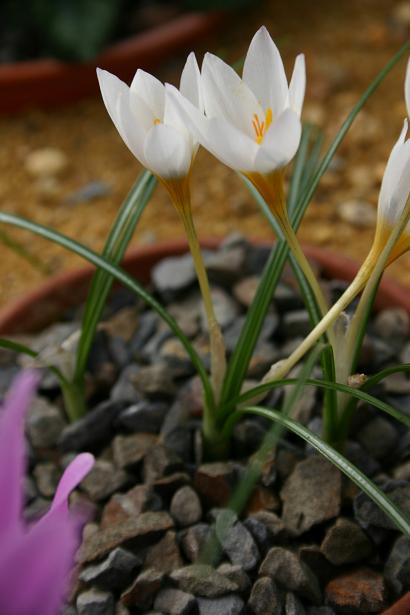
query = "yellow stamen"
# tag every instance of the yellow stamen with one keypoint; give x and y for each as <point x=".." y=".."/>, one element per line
<point x="261" y="128"/>
<point x="157" y="121"/>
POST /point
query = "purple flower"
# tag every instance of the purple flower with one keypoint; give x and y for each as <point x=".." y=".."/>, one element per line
<point x="35" y="560"/>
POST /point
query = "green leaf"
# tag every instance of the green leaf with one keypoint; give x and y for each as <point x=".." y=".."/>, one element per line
<point x="398" y="517"/>
<point x="23" y="349"/>
<point x="21" y="250"/>
<point x="336" y="386"/>
<point x="121" y="276"/>
<point x="388" y="371"/>
<point x="114" y="250"/>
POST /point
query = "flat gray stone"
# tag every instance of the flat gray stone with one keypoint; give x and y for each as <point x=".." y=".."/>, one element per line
<point x="186" y="507"/>
<point x="311" y="495"/>
<point x="95" y="602"/>
<point x="286" y="568"/>
<point x="345" y="543"/>
<point x="228" y="605"/>
<point x="203" y="580"/>
<point x="264" y="598"/>
<point x="114" y="572"/>
<point x="174" y="602"/>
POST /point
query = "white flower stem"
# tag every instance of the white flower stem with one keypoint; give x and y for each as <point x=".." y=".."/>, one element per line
<point x="179" y="192"/>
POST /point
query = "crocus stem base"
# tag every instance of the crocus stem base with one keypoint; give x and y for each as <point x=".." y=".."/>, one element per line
<point x="74" y="402"/>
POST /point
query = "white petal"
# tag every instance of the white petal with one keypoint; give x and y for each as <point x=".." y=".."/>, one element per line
<point x="227" y="96"/>
<point x="297" y="85"/>
<point x="151" y="90"/>
<point x="190" y="85"/>
<point x="173" y="116"/>
<point x="129" y="114"/>
<point x="392" y="174"/>
<point x="228" y="144"/>
<point x="167" y="152"/>
<point x="407" y="88"/>
<point x="280" y="143"/>
<point x="264" y="73"/>
<point x="190" y="116"/>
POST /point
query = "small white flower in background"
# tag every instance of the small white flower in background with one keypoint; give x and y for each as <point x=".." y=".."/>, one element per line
<point x="148" y="122"/>
<point x="252" y="124"/>
<point x="394" y="192"/>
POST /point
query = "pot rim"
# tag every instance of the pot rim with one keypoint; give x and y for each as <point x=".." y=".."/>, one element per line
<point x="25" y="83"/>
<point x="56" y="289"/>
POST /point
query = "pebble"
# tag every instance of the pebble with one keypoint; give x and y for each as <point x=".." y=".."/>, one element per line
<point x="214" y="482"/>
<point x="173" y="275"/>
<point x="114" y="572"/>
<point x="186" y="507"/>
<point x="345" y="543"/>
<point x="392" y="325"/>
<point x="95" y="602"/>
<point x="122" y="506"/>
<point x="93" y="190"/>
<point x="312" y="556"/>
<point x="264" y="598"/>
<point x="226" y="265"/>
<point x="124" y="390"/>
<point x="93" y="429"/>
<point x="285" y="567"/>
<point x="360" y="214"/>
<point x="160" y="461"/>
<point x="202" y="580"/>
<point x="293" y="606"/>
<point x="174" y="602"/>
<point x="240" y="547"/>
<point x="154" y="380"/>
<point x="379" y="437"/>
<point x="44" y="423"/>
<point x="270" y="521"/>
<point x="296" y="324"/>
<point x="104" y="479"/>
<point x="311" y="495"/>
<point x="245" y="290"/>
<point x="129" y="451"/>
<point x="226" y="309"/>
<point x="47" y="476"/>
<point x="369" y="514"/>
<point x="145" y="415"/>
<point x="46" y="161"/>
<point x="164" y="555"/>
<point x="356" y="592"/>
<point x="228" y="605"/>
<point x="166" y="486"/>
<point x="397" y="567"/>
<point x="143" y="590"/>
<point x="194" y="539"/>
<point x="236" y="574"/>
<point x="138" y="532"/>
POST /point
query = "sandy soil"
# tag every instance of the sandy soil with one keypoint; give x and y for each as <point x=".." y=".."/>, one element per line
<point x="346" y="43"/>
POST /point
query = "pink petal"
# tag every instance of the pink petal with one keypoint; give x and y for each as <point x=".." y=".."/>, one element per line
<point x="72" y="477"/>
<point x="34" y="571"/>
<point x="12" y="449"/>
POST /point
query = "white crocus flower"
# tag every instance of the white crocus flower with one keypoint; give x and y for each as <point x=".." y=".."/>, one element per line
<point x="148" y="122"/>
<point x="252" y="124"/>
<point x="394" y="192"/>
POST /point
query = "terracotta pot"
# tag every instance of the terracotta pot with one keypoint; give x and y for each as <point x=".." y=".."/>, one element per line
<point x="401" y="607"/>
<point x="46" y="304"/>
<point x="48" y="82"/>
